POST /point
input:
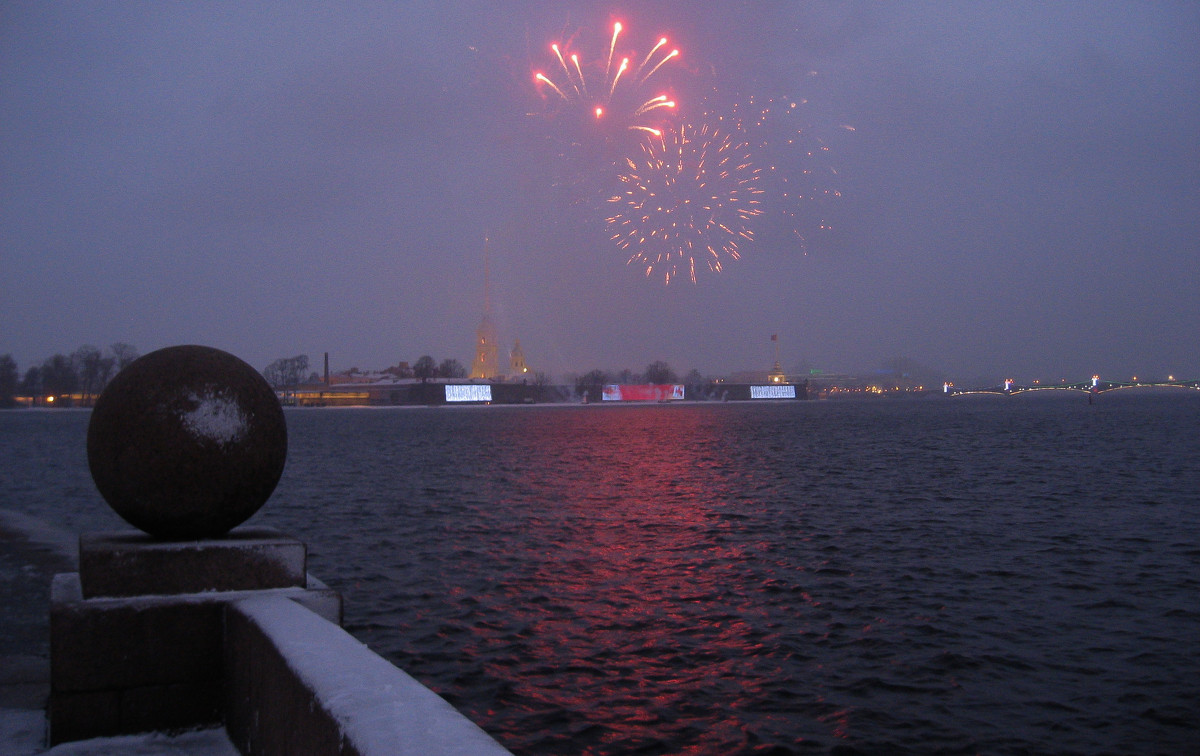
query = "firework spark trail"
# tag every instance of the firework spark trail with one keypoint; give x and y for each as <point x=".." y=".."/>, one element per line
<point x="650" y="54"/>
<point x="611" y="47"/>
<point x="541" y="77"/>
<point x="618" y="95"/>
<point x="660" y="64"/>
<point x="687" y="204"/>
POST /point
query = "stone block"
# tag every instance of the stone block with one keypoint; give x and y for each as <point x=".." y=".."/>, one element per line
<point x="130" y="563"/>
<point x="80" y="715"/>
<point x="132" y="664"/>
<point x="171" y="707"/>
<point x="98" y="644"/>
<point x="321" y="600"/>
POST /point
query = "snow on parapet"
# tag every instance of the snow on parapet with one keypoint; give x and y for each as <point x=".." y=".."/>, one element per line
<point x="379" y="709"/>
<point x="216" y="417"/>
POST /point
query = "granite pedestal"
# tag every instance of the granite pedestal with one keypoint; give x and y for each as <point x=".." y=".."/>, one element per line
<point x="137" y="635"/>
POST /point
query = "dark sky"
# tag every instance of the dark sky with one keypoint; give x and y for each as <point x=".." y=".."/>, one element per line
<point x="1020" y="190"/>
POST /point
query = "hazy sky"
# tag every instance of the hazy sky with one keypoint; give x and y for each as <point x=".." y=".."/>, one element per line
<point x="1020" y="191"/>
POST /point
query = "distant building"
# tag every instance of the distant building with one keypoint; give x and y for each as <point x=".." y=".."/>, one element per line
<point x="517" y="369"/>
<point x="776" y="375"/>
<point x="487" y="352"/>
<point x="486" y="364"/>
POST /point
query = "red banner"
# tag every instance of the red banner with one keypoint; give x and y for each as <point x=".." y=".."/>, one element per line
<point x="651" y="392"/>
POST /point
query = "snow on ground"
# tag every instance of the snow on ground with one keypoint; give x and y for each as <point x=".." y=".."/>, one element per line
<point x="210" y="742"/>
<point x="22" y="733"/>
<point x="42" y="533"/>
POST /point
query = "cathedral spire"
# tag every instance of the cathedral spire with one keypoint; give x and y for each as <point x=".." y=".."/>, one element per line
<point x="487" y="351"/>
<point x="487" y="269"/>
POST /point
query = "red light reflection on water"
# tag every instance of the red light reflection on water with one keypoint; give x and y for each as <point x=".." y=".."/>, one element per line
<point x="632" y="623"/>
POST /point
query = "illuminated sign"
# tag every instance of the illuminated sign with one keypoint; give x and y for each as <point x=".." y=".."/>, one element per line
<point x="661" y="392"/>
<point x="773" y="392"/>
<point x="481" y="392"/>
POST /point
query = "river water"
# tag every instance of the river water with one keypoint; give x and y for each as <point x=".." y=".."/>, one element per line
<point x="949" y="575"/>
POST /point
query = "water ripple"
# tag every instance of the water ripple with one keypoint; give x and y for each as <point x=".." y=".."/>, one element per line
<point x="879" y="577"/>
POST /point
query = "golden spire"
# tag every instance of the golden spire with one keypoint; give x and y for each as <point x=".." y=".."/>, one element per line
<point x="485" y="366"/>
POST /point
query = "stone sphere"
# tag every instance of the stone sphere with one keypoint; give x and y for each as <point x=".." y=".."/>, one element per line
<point x="187" y="442"/>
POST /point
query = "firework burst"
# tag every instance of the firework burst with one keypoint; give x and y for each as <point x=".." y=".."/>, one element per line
<point x="610" y="95"/>
<point x="800" y="177"/>
<point x="687" y="203"/>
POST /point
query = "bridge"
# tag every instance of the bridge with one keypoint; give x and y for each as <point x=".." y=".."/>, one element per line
<point x="1094" y="386"/>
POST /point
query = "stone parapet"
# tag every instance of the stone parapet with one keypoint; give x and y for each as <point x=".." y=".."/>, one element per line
<point x="125" y="664"/>
<point x="131" y="563"/>
<point x="297" y="683"/>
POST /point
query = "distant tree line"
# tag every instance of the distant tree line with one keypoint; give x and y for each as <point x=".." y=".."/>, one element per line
<point x="62" y="379"/>
<point x="426" y="368"/>
<point x="288" y="372"/>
